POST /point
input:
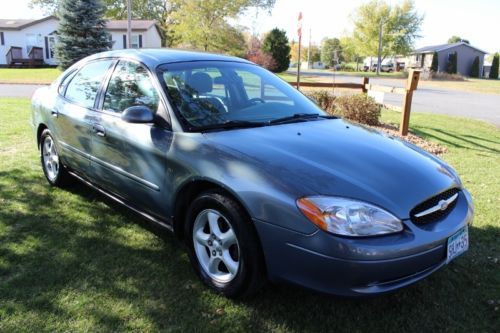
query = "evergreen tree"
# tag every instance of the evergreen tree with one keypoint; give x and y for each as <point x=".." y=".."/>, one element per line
<point x="452" y="63"/>
<point x="494" y="67"/>
<point x="435" y="63"/>
<point x="81" y="31"/>
<point x="474" y="72"/>
<point x="276" y="44"/>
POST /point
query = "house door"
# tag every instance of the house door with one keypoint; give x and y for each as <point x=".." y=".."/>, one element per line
<point x="423" y="61"/>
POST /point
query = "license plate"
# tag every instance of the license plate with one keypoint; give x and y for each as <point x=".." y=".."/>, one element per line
<point x="458" y="244"/>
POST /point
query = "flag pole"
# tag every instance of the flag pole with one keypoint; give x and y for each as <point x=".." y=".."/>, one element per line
<point x="299" y="32"/>
<point x="298" y="64"/>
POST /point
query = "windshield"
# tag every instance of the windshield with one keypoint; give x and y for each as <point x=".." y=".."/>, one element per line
<point x="212" y="93"/>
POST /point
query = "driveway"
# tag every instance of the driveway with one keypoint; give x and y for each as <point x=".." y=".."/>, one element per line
<point x="436" y="100"/>
<point x="18" y="90"/>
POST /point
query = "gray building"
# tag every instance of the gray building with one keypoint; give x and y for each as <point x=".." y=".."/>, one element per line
<point x="466" y="53"/>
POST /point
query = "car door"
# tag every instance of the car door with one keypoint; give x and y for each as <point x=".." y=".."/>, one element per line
<point x="128" y="159"/>
<point x="72" y="114"/>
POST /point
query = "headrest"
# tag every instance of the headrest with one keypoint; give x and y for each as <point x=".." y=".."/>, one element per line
<point x="201" y="82"/>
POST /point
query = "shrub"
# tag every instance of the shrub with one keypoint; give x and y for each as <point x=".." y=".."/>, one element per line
<point x="276" y="44"/>
<point x="452" y="63"/>
<point x="263" y="59"/>
<point x="347" y="67"/>
<point x="474" y="72"/>
<point x="435" y="63"/>
<point x="447" y="77"/>
<point x="323" y="98"/>
<point x="494" y="67"/>
<point x="359" y="108"/>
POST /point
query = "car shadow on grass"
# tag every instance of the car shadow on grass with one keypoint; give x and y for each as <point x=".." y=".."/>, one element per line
<point x="71" y="259"/>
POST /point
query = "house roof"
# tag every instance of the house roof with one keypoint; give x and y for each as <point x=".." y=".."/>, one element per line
<point x="442" y="47"/>
<point x="113" y="25"/>
<point x="19" y="24"/>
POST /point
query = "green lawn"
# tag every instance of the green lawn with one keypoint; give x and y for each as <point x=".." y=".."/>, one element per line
<point x="475" y="85"/>
<point x="72" y="261"/>
<point x="28" y="75"/>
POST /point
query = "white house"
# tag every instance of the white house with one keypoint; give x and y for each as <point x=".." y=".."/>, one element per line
<point x="43" y="33"/>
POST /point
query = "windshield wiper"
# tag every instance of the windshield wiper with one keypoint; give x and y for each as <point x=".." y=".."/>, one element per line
<point x="229" y="124"/>
<point x="298" y="117"/>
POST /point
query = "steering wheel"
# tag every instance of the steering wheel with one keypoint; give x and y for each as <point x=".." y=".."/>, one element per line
<point x="256" y="99"/>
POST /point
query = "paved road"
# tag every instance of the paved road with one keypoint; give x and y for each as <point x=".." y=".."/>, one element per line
<point x="434" y="100"/>
<point x="437" y="100"/>
<point x="18" y="90"/>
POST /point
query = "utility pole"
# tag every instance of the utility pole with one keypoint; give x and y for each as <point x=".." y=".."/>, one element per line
<point x="129" y="24"/>
<point x="379" y="46"/>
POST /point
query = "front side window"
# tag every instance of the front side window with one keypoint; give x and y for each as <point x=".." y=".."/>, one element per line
<point x="82" y="89"/>
<point x="211" y="93"/>
<point x="130" y="85"/>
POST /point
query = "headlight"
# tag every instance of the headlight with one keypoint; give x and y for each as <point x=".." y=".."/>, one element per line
<point x="348" y="217"/>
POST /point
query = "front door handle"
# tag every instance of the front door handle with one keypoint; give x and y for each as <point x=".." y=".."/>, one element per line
<point x="99" y="129"/>
<point x="54" y="113"/>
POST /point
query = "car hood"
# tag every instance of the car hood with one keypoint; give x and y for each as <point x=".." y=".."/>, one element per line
<point x="337" y="158"/>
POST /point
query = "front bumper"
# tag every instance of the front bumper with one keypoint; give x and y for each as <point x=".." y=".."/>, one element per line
<point x="363" y="266"/>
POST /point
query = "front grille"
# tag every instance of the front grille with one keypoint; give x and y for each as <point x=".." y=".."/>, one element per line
<point x="430" y="204"/>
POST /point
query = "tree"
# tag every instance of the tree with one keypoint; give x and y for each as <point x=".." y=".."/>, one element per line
<point x="474" y="72"/>
<point x="457" y="39"/>
<point x="256" y="55"/>
<point x="304" y="51"/>
<point x="331" y="51"/>
<point x="81" y="31"/>
<point x="159" y="10"/>
<point x="494" y="66"/>
<point x="451" y="67"/>
<point x="400" y="25"/>
<point x="202" y="24"/>
<point x="435" y="62"/>
<point x="276" y="44"/>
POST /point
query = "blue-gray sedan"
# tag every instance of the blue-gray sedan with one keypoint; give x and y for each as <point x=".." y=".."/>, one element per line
<point x="257" y="180"/>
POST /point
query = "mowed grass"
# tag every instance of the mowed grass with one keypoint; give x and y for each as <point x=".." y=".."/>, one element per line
<point x="488" y="86"/>
<point x="29" y="75"/>
<point x="71" y="260"/>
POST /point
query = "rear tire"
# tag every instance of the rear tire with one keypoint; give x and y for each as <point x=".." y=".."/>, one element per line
<point x="53" y="169"/>
<point x="223" y="246"/>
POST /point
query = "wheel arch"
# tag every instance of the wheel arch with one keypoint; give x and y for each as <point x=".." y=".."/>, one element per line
<point x="41" y="127"/>
<point x="189" y="191"/>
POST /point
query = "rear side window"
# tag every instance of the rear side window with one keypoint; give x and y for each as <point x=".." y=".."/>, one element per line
<point x="130" y="85"/>
<point x="84" y="86"/>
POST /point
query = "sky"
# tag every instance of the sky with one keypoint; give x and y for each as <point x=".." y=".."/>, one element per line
<point x="475" y="20"/>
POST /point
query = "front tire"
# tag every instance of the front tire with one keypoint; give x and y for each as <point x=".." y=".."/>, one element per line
<point x="223" y="246"/>
<point x="53" y="169"/>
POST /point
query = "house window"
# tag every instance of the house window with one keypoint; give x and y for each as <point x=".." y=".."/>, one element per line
<point x="136" y="41"/>
<point x="2" y="38"/>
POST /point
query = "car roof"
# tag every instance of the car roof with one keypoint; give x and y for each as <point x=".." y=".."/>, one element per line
<point x="154" y="57"/>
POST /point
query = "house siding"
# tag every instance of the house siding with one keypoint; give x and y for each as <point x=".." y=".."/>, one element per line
<point x="466" y="56"/>
<point x="39" y="31"/>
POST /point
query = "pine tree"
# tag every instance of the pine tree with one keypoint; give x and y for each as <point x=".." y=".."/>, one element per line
<point x="435" y="63"/>
<point x="494" y="67"/>
<point x="276" y="44"/>
<point x="81" y="31"/>
<point x="474" y="72"/>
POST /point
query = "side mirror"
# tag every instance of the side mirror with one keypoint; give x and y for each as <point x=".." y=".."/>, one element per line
<point x="139" y="114"/>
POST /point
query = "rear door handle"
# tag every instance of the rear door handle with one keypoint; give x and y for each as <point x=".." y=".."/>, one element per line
<point x="99" y="129"/>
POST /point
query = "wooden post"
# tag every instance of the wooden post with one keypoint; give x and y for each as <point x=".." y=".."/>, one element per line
<point x="411" y="85"/>
<point x="366" y="80"/>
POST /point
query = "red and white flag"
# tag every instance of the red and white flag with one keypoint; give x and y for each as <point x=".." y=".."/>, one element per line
<point x="299" y="25"/>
